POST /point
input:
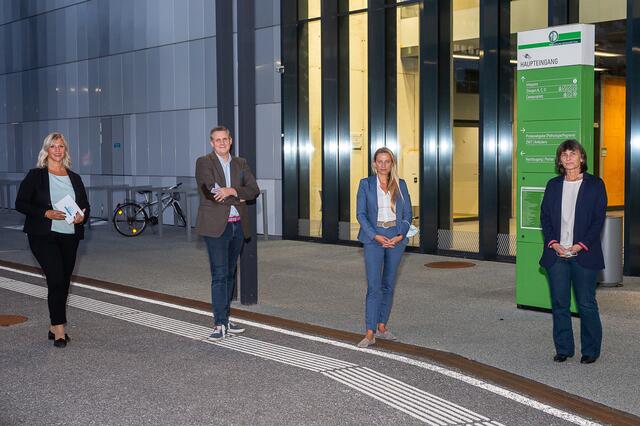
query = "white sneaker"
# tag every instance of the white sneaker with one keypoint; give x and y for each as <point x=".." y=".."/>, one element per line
<point x="219" y="333"/>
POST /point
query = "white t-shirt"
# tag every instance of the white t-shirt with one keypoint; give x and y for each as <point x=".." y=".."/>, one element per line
<point x="385" y="213"/>
<point x="569" y="198"/>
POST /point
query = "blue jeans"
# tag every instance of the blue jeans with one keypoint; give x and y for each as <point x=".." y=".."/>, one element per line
<point x="381" y="265"/>
<point x="223" y="258"/>
<point x="562" y="275"/>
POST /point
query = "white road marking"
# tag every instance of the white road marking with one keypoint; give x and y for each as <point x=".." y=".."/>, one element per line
<point x="419" y="404"/>
<point x="505" y="393"/>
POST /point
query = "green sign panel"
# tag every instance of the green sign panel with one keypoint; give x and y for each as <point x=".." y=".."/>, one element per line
<point x="538" y="141"/>
<point x="530" y="201"/>
<point x="555" y="103"/>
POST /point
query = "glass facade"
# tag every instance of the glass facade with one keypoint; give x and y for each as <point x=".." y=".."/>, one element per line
<point x="463" y="230"/>
<point x="310" y="130"/>
<point x="354" y="147"/>
<point x="382" y="103"/>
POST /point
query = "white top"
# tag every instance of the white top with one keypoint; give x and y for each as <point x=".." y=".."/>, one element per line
<point x="226" y="168"/>
<point x="59" y="187"/>
<point x="569" y="198"/>
<point x="385" y="213"/>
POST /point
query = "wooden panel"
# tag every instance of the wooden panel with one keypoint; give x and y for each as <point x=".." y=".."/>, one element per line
<point x="613" y="131"/>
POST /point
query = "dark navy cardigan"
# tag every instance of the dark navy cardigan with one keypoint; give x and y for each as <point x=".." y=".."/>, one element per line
<point x="591" y="206"/>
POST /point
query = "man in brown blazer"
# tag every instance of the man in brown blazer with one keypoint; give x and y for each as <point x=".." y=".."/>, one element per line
<point x="225" y="183"/>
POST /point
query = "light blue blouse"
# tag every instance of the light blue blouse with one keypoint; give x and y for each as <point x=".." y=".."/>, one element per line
<point x="59" y="187"/>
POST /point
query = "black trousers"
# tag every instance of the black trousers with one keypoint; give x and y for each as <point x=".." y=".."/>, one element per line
<point x="56" y="254"/>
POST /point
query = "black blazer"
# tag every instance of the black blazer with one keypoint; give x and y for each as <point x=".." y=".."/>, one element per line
<point x="34" y="199"/>
<point x="591" y="206"/>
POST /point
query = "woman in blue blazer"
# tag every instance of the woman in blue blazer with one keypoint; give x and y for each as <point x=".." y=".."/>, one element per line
<point x="384" y="214"/>
<point x="572" y="215"/>
<point x="52" y="240"/>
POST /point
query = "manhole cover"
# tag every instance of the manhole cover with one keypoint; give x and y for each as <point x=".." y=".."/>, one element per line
<point x="7" y="320"/>
<point x="449" y="265"/>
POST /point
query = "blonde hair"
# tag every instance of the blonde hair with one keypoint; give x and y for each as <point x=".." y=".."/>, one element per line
<point x="43" y="155"/>
<point x="393" y="185"/>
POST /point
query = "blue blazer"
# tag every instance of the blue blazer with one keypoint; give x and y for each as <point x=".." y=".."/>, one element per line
<point x="367" y="209"/>
<point x="591" y="206"/>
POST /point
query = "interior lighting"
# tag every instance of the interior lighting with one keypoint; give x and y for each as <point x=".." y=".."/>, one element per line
<point x="600" y="69"/>
<point x="461" y="56"/>
<point x="606" y="54"/>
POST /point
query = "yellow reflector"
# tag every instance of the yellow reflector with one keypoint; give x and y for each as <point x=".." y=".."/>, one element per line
<point x="119" y="211"/>
<point x="135" y="231"/>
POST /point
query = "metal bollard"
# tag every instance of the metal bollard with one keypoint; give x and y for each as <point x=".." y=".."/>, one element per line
<point x="611" y="239"/>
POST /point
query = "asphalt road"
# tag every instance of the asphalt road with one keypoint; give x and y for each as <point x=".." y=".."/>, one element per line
<point x="133" y="362"/>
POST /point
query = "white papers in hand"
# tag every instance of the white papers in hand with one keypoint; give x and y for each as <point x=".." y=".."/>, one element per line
<point x="69" y="207"/>
<point x="215" y="188"/>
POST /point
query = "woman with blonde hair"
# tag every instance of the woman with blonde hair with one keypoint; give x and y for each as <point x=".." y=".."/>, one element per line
<point x="384" y="213"/>
<point x="53" y="240"/>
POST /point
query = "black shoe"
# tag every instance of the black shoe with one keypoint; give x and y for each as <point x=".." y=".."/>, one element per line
<point x="588" y="359"/>
<point x="561" y="358"/>
<point x="52" y="336"/>
<point x="60" y="343"/>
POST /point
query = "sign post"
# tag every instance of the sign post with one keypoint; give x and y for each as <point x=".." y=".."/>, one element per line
<point x="555" y="103"/>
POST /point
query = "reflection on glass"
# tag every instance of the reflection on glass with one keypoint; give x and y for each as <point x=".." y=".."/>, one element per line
<point x="358" y="111"/>
<point x="525" y="15"/>
<point x="407" y="144"/>
<point x="612" y="138"/>
<point x="463" y="231"/>
<point x="357" y="4"/>
<point x="310" y="131"/>
<point x="610" y="78"/>
<point x="308" y="9"/>
<point x="602" y="10"/>
<point x="529" y="15"/>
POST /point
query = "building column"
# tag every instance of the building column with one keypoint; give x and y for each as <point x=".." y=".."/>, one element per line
<point x="435" y="121"/>
<point x="563" y="12"/>
<point x="330" y="97"/>
<point x="247" y="139"/>
<point x="632" y="144"/>
<point x="492" y="80"/>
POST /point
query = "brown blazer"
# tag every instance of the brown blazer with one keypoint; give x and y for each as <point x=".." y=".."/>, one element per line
<point x="213" y="215"/>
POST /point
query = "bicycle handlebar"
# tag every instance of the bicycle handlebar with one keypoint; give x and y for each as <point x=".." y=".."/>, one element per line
<point x="174" y="186"/>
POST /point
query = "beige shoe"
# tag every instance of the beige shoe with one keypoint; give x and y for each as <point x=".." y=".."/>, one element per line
<point x="366" y="342"/>
<point x="387" y="335"/>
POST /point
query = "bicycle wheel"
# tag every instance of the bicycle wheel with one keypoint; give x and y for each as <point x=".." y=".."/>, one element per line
<point x="179" y="216"/>
<point x="130" y="219"/>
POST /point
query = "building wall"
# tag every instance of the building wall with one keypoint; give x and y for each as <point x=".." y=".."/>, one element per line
<point x="132" y="84"/>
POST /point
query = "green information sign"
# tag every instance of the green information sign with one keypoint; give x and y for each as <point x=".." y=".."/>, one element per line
<point x="555" y="103"/>
<point x="530" y="201"/>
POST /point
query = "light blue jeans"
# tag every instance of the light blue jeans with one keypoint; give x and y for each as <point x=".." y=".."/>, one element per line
<point x="381" y="265"/>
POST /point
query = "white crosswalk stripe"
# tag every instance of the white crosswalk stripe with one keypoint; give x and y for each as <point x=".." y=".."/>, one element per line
<point x="403" y="397"/>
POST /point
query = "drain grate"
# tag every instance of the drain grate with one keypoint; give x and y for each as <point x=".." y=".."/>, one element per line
<point x="7" y="320"/>
<point x="451" y="264"/>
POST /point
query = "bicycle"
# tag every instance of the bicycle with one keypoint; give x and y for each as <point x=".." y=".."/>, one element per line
<point x="131" y="218"/>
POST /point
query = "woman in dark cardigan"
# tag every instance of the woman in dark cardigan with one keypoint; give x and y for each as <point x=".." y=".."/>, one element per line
<point x="572" y="216"/>
<point x="52" y="240"/>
